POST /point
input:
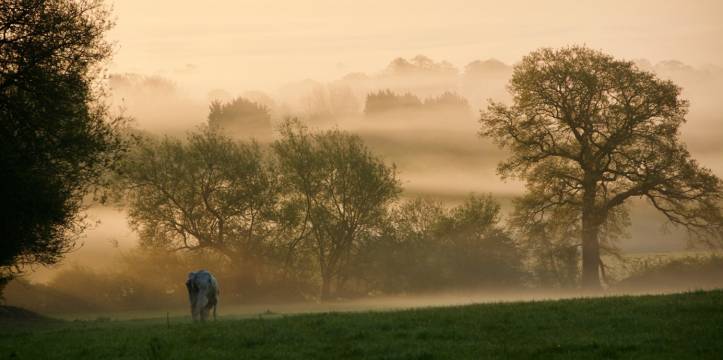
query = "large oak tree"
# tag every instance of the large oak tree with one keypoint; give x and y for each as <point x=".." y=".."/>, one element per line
<point x="590" y="132"/>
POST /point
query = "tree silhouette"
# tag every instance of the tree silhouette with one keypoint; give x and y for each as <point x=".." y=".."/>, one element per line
<point x="241" y="117"/>
<point x="55" y="140"/>
<point x="448" y="101"/>
<point x="588" y="131"/>
<point x="345" y="190"/>
<point x="208" y="193"/>
<point x="550" y="236"/>
<point x="386" y="100"/>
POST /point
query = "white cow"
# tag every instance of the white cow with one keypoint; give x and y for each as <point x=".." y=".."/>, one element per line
<point x="203" y="293"/>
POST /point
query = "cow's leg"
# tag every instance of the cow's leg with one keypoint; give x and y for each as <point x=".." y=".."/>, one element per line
<point x="207" y="310"/>
<point x="200" y="308"/>
<point x="191" y="295"/>
<point x="194" y="313"/>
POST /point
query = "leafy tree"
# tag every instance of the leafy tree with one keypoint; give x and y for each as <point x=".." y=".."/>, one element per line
<point x="448" y="106"/>
<point x="480" y="252"/>
<point x="55" y="136"/>
<point x="405" y="257"/>
<point x="386" y="100"/>
<point x="447" y="100"/>
<point x="590" y="132"/>
<point x="207" y="193"/>
<point x="343" y="188"/>
<point x="241" y="117"/>
<point x="429" y="247"/>
<point x="551" y="240"/>
<point x="550" y="236"/>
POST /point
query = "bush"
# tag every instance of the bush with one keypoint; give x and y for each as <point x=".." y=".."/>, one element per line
<point x="665" y="274"/>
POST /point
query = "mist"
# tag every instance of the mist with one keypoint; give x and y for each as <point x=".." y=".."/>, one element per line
<point x="320" y="62"/>
<point x="238" y="45"/>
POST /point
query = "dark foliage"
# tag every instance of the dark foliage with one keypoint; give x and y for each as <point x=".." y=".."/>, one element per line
<point x="428" y="247"/>
<point x="241" y="117"/>
<point x="205" y="193"/>
<point x="55" y="140"/>
<point x="387" y="100"/>
<point x="344" y="190"/>
<point x="677" y="274"/>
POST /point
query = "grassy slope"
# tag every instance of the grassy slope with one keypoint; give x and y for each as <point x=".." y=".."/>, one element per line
<point x="672" y="326"/>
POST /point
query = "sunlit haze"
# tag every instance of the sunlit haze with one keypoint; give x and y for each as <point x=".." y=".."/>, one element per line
<point x="351" y="179"/>
<point x="294" y="56"/>
<point x="241" y="45"/>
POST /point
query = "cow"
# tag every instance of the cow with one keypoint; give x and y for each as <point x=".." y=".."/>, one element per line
<point x="203" y="293"/>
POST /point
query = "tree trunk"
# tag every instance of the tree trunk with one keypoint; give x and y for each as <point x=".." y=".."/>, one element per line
<point x="325" y="288"/>
<point x="590" y="230"/>
<point x="590" y="249"/>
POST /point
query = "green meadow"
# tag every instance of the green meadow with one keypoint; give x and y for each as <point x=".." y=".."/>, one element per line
<point x="686" y="325"/>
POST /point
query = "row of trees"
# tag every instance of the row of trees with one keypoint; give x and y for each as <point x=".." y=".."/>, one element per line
<point x="245" y="118"/>
<point x="430" y="247"/>
<point x="241" y="116"/>
<point x="587" y="132"/>
<point x="311" y="206"/>
<point x="311" y="199"/>
<point x="386" y="100"/>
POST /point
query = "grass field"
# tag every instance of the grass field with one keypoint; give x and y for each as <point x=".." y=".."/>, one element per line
<point x="688" y="325"/>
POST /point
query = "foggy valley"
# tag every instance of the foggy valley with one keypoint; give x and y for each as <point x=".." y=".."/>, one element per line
<point x="429" y="147"/>
<point x="335" y="179"/>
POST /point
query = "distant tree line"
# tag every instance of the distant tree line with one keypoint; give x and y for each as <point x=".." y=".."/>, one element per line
<point x="245" y="118"/>
<point x="386" y="100"/>
<point x="241" y="117"/>
<point x="585" y="132"/>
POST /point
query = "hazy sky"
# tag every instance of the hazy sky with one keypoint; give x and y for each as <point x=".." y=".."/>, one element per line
<point x="260" y="44"/>
<point x="242" y="45"/>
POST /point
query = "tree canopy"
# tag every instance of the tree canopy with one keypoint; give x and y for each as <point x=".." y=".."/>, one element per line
<point x="241" y="117"/>
<point x="205" y="193"/>
<point x="307" y="204"/>
<point x="344" y="188"/>
<point x="588" y="131"/>
<point x="386" y="100"/>
<point x="55" y="136"/>
<point x="429" y="247"/>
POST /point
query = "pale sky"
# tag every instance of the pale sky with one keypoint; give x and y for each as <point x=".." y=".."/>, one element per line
<point x="239" y="45"/>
